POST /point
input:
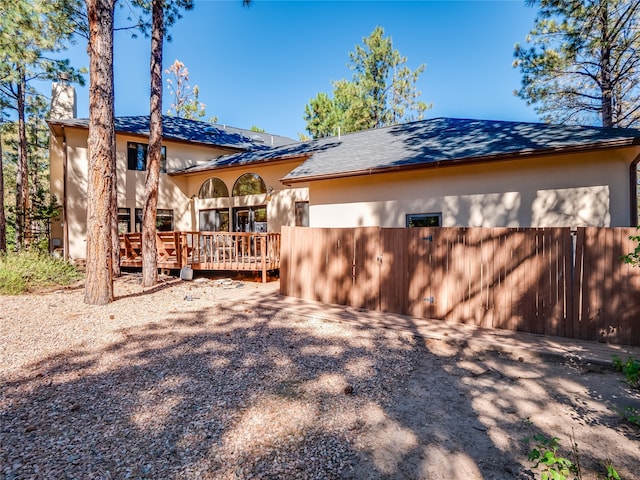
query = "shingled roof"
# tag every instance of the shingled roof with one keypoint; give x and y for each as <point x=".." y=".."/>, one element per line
<point x="429" y="143"/>
<point x="192" y="131"/>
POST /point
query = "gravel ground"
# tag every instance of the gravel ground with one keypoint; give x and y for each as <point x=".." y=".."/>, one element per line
<point x="173" y="384"/>
<point x="185" y="381"/>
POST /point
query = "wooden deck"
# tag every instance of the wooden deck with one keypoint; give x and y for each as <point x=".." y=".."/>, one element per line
<point x="212" y="251"/>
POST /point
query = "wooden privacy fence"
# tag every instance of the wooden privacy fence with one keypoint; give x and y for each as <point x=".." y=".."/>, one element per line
<point x="540" y="280"/>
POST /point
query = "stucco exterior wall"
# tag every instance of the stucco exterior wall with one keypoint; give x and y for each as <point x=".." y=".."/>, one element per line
<point x="76" y="195"/>
<point x="587" y="189"/>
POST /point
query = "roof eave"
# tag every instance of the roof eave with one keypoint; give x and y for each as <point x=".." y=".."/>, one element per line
<point x="57" y="126"/>
<point x="466" y="161"/>
<point x="277" y="160"/>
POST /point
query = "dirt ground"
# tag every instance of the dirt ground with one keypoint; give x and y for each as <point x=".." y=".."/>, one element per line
<point x="183" y="382"/>
<point x="460" y="415"/>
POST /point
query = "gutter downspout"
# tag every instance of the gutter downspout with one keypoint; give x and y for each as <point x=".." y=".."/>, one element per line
<point x="65" y="227"/>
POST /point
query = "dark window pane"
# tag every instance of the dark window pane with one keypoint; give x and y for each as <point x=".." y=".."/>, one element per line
<point x="250" y="219"/>
<point x="302" y="214"/>
<point x="424" y="220"/>
<point x="164" y="220"/>
<point x="214" y="220"/>
<point x="163" y="160"/>
<point x="141" y="157"/>
<point x="138" y="220"/>
<point x="137" y="157"/>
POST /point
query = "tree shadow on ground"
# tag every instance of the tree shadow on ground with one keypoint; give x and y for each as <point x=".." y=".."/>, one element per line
<point x="472" y="413"/>
<point x="176" y="397"/>
<point x="235" y="391"/>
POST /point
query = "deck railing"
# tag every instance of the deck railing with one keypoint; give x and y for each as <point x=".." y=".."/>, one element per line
<point x="208" y="251"/>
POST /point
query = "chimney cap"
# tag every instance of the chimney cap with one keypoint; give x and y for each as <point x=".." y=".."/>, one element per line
<point x="64" y="77"/>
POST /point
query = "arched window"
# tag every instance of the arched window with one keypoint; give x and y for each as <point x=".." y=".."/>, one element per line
<point x="213" y="188"/>
<point x="249" y="184"/>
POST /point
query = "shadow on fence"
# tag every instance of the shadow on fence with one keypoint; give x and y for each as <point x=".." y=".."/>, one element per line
<point x="540" y="280"/>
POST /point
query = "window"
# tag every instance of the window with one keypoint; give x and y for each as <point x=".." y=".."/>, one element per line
<point x="302" y="214"/>
<point x="137" y="157"/>
<point x="214" y="220"/>
<point x="164" y="220"/>
<point x="250" y="219"/>
<point x="249" y="184"/>
<point x="124" y="220"/>
<point x="213" y="188"/>
<point x="424" y="220"/>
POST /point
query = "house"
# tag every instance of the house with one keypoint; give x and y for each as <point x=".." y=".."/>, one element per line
<point x="438" y="172"/>
<point x="239" y="198"/>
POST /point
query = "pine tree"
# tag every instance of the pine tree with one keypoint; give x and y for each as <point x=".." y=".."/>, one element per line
<point x="149" y="247"/>
<point x="46" y="27"/>
<point x="102" y="146"/>
<point x="381" y="92"/>
<point x="3" y="218"/>
<point x="582" y="61"/>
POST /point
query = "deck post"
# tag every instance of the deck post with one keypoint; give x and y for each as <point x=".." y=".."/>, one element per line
<point x="263" y="255"/>
<point x="178" y="240"/>
<point x="184" y="250"/>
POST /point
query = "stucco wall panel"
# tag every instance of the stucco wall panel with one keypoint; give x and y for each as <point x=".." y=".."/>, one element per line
<point x="588" y="189"/>
<point x="77" y="174"/>
<point x="56" y="185"/>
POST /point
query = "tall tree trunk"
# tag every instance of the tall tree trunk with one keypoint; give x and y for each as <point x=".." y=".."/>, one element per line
<point x="149" y="247"/>
<point x="3" y="220"/>
<point x="115" y="235"/>
<point x="101" y="145"/>
<point x="605" y="68"/>
<point x="22" y="172"/>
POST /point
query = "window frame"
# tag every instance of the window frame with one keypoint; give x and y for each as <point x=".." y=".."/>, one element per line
<point x="263" y="185"/>
<point x="220" y="212"/>
<point x="220" y="182"/>
<point x="124" y="216"/>
<point x="301" y="220"/>
<point x="159" y="212"/>
<point x="257" y="225"/>
<point x="145" y="149"/>
<point x="431" y="215"/>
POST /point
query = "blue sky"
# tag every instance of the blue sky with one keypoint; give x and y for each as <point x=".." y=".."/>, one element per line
<point x="261" y="65"/>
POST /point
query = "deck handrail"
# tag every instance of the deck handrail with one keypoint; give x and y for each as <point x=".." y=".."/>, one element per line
<point x="248" y="251"/>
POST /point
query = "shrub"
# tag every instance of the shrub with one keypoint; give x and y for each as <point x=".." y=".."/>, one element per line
<point x="633" y="258"/>
<point x="630" y="368"/>
<point x="31" y="269"/>
<point x="545" y="455"/>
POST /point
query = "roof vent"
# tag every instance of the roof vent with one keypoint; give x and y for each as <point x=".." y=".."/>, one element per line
<point x="212" y="130"/>
<point x="257" y="138"/>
